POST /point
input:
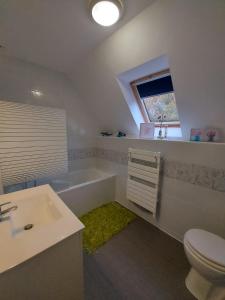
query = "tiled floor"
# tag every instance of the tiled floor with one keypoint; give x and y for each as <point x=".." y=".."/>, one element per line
<point x="139" y="263"/>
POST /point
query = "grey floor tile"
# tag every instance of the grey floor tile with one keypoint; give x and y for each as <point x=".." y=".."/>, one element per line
<point x="140" y="263"/>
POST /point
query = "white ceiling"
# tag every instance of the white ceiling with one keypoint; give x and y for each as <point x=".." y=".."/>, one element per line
<point x="55" y="33"/>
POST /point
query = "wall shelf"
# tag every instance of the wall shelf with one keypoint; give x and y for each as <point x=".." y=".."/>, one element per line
<point x="160" y="141"/>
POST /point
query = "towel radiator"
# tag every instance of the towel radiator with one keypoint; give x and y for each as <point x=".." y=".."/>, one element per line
<point x="143" y="178"/>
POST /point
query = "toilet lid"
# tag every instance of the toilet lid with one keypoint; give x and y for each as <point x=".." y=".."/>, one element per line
<point x="207" y="244"/>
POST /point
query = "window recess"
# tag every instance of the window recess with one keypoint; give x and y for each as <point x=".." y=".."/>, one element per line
<point x="155" y="97"/>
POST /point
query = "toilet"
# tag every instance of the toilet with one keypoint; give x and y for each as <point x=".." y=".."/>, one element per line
<point x="206" y="254"/>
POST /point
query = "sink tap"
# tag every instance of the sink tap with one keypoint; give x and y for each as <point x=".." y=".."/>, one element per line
<point x="7" y="210"/>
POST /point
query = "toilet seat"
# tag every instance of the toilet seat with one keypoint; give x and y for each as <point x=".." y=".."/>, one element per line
<point x="208" y="247"/>
<point x="204" y="261"/>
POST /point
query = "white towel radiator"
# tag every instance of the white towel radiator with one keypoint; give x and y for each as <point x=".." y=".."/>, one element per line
<point x="143" y="178"/>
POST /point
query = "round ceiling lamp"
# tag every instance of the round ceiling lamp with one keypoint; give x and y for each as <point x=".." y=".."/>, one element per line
<point x="106" y="12"/>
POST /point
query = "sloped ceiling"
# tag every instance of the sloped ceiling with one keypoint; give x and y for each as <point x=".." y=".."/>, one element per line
<point x="191" y="34"/>
<point x="55" y="33"/>
<point x="59" y="35"/>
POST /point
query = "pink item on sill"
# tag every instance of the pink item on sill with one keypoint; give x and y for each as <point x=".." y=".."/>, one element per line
<point x="147" y="130"/>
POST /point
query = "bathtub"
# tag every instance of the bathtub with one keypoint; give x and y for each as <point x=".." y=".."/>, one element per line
<point x="85" y="190"/>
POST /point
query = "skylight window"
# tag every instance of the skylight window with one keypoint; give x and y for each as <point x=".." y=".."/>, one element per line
<point x="164" y="104"/>
<point x="156" y="100"/>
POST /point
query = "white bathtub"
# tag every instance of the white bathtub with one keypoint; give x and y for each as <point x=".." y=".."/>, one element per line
<point x="85" y="190"/>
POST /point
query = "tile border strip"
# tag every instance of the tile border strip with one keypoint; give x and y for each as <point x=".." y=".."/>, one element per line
<point x="81" y="153"/>
<point x="207" y="177"/>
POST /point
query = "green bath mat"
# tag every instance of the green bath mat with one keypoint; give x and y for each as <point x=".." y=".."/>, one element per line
<point x="104" y="222"/>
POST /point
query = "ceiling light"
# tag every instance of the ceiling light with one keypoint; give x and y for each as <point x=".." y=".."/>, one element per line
<point x="37" y="93"/>
<point x="106" y="13"/>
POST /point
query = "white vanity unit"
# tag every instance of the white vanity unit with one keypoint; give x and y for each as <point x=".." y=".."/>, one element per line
<point x="40" y="248"/>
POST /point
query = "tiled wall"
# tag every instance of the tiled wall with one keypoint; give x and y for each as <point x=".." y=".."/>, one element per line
<point x="207" y="177"/>
<point x="83" y="153"/>
<point x="192" y="185"/>
<point x="112" y="155"/>
<point x="74" y="156"/>
<point x="192" y="194"/>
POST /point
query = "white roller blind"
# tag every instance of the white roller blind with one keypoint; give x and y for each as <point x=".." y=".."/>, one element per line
<point x="33" y="142"/>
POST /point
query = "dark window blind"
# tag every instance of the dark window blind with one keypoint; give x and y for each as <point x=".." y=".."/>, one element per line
<point x="155" y="87"/>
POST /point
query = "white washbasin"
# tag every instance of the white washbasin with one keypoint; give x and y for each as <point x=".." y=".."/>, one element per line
<point x="38" y="210"/>
<point x="51" y="219"/>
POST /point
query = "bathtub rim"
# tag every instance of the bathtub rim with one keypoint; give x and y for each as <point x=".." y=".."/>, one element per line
<point x="76" y="186"/>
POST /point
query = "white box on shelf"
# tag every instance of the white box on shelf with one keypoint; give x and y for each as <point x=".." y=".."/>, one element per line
<point x="147" y="130"/>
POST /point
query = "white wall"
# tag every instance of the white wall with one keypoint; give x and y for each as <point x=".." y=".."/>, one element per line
<point x="192" y="34"/>
<point x="183" y="205"/>
<point x="18" y="78"/>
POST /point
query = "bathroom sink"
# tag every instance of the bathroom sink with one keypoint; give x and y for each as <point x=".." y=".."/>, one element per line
<point x="40" y="221"/>
<point x="37" y="211"/>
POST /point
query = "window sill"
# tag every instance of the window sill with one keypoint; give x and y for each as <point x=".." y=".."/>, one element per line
<point x="169" y="140"/>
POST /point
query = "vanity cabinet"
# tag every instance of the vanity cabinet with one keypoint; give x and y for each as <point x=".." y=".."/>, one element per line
<point x="54" y="274"/>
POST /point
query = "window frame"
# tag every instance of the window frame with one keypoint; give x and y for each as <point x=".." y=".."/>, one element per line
<point x="140" y="103"/>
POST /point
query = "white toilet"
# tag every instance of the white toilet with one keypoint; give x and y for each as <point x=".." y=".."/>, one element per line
<point x="206" y="254"/>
